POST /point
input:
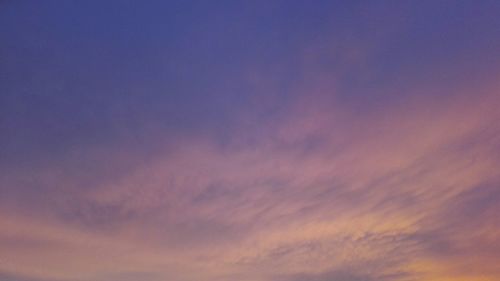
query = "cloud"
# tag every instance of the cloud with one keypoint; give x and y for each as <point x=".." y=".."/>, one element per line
<point x="351" y="274"/>
<point x="371" y="198"/>
<point x="10" y="277"/>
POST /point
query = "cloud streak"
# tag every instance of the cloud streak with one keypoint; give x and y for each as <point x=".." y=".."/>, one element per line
<point x="390" y="199"/>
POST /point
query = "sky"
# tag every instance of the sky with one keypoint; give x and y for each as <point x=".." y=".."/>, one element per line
<point x="250" y="140"/>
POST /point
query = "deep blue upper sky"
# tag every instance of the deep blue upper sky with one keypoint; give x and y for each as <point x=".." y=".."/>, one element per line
<point x="71" y="69"/>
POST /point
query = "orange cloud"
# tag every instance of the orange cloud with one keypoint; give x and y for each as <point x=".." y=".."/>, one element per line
<point x="381" y="195"/>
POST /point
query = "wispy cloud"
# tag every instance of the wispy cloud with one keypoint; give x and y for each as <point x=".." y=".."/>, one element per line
<point x="404" y="194"/>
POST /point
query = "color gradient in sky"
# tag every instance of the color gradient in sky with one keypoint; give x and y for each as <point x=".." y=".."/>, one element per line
<point x="250" y="140"/>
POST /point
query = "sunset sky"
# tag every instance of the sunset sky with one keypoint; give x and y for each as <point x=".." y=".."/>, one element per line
<point x="273" y="140"/>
